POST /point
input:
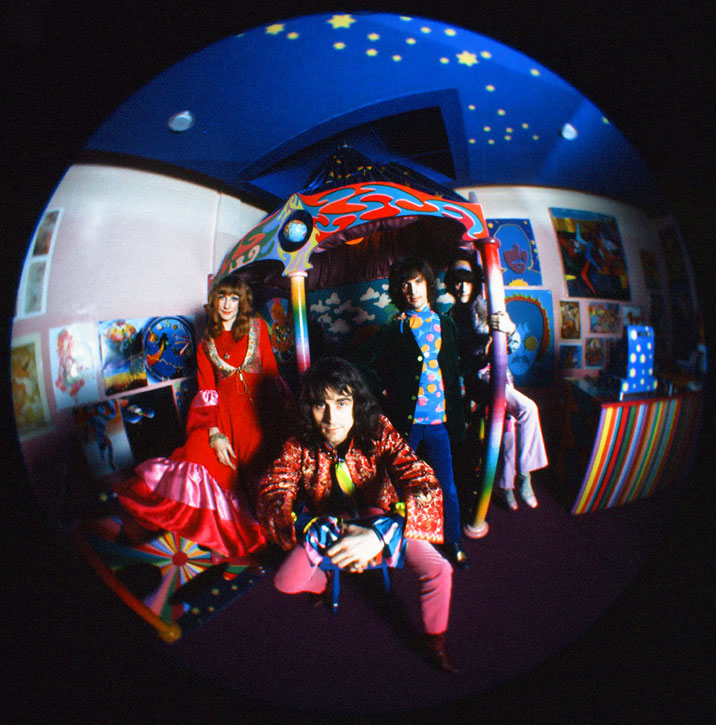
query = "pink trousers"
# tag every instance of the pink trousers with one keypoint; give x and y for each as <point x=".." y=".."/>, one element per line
<point x="434" y="573"/>
<point x="523" y="447"/>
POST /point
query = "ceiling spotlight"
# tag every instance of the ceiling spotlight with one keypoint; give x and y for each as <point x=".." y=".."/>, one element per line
<point x="181" y="121"/>
<point x="568" y="132"/>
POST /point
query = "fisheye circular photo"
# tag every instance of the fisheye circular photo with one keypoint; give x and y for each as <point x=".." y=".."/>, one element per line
<point x="358" y="367"/>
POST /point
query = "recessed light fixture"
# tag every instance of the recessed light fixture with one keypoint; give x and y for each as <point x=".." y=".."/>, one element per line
<point x="181" y="121"/>
<point x="568" y="132"/>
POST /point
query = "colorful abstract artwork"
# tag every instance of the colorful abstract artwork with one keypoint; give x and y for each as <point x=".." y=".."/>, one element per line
<point x="278" y="317"/>
<point x="100" y="429"/>
<point x="518" y="252"/>
<point x="570" y="326"/>
<point x="32" y="414"/>
<point x="169" y="349"/>
<point x="638" y="447"/>
<point x="570" y="357"/>
<point x="604" y="318"/>
<point x="532" y="364"/>
<point x="177" y="565"/>
<point x="122" y="355"/>
<point x="592" y="254"/>
<point x="293" y="232"/>
<point x="140" y="352"/>
<point x="595" y="355"/>
<point x="74" y="361"/>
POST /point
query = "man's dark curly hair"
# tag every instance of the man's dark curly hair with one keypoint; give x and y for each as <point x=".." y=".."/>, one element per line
<point x="340" y="376"/>
<point x="409" y="268"/>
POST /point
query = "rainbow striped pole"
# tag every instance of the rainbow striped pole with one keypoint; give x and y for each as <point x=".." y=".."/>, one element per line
<point x="495" y="297"/>
<point x="300" y="320"/>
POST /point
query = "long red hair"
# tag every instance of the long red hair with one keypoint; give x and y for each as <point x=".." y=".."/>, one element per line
<point x="230" y="285"/>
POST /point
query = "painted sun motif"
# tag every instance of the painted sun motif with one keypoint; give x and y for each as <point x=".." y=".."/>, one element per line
<point x="530" y="343"/>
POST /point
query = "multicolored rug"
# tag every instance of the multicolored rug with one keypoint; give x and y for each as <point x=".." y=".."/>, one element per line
<point x="174" y="577"/>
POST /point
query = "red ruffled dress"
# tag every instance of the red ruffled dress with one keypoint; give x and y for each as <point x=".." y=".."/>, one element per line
<point x="191" y="493"/>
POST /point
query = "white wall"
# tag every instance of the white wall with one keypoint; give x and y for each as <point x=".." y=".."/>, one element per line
<point x="135" y="244"/>
<point x="129" y="244"/>
<point x="638" y="231"/>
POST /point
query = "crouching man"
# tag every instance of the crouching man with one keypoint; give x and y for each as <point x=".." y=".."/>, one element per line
<point x="349" y="487"/>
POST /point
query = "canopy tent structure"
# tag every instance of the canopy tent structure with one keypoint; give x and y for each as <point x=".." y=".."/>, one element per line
<point x="349" y="223"/>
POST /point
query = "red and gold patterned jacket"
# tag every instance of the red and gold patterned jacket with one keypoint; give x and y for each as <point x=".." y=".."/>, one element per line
<point x="393" y="468"/>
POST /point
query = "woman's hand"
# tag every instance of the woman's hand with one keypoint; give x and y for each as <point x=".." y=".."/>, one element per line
<point x="501" y="322"/>
<point x="356" y="549"/>
<point x="222" y="448"/>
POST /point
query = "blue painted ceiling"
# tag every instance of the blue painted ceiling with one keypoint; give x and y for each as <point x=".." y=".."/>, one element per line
<point x="273" y="102"/>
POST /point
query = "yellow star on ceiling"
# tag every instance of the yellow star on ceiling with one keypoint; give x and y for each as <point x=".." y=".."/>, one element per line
<point x="467" y="58"/>
<point x="275" y="29"/>
<point x="341" y="21"/>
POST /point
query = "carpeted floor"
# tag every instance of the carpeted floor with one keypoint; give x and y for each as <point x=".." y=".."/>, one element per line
<point x="586" y="618"/>
<point x="538" y="580"/>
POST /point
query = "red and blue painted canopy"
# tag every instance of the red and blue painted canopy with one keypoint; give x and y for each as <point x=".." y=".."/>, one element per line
<point x="332" y="216"/>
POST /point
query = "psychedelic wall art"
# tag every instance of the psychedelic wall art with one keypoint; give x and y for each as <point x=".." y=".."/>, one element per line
<point x="532" y="364"/>
<point x="120" y="343"/>
<point x="341" y="312"/>
<point x="32" y="414"/>
<point x="595" y="355"/>
<point x="74" y="361"/>
<point x="104" y="442"/>
<point x="278" y="316"/>
<point x="140" y="352"/>
<point x="604" y="318"/>
<point x="592" y="254"/>
<point x="518" y="252"/>
<point x="570" y="326"/>
<point x="169" y="350"/>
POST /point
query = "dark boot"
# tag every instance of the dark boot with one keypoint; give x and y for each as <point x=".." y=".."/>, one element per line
<point x="457" y="557"/>
<point x="436" y="653"/>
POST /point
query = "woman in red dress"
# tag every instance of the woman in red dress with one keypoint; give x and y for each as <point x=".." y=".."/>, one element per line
<point x="204" y="490"/>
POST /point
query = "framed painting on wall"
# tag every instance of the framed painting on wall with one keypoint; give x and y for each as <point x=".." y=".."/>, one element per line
<point x="570" y="326"/>
<point x="74" y="361"/>
<point x="592" y="254"/>
<point x="604" y="318"/>
<point x="32" y="414"/>
<point x="595" y="355"/>
<point x="532" y="364"/>
<point x="32" y="291"/>
<point x="518" y="252"/>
